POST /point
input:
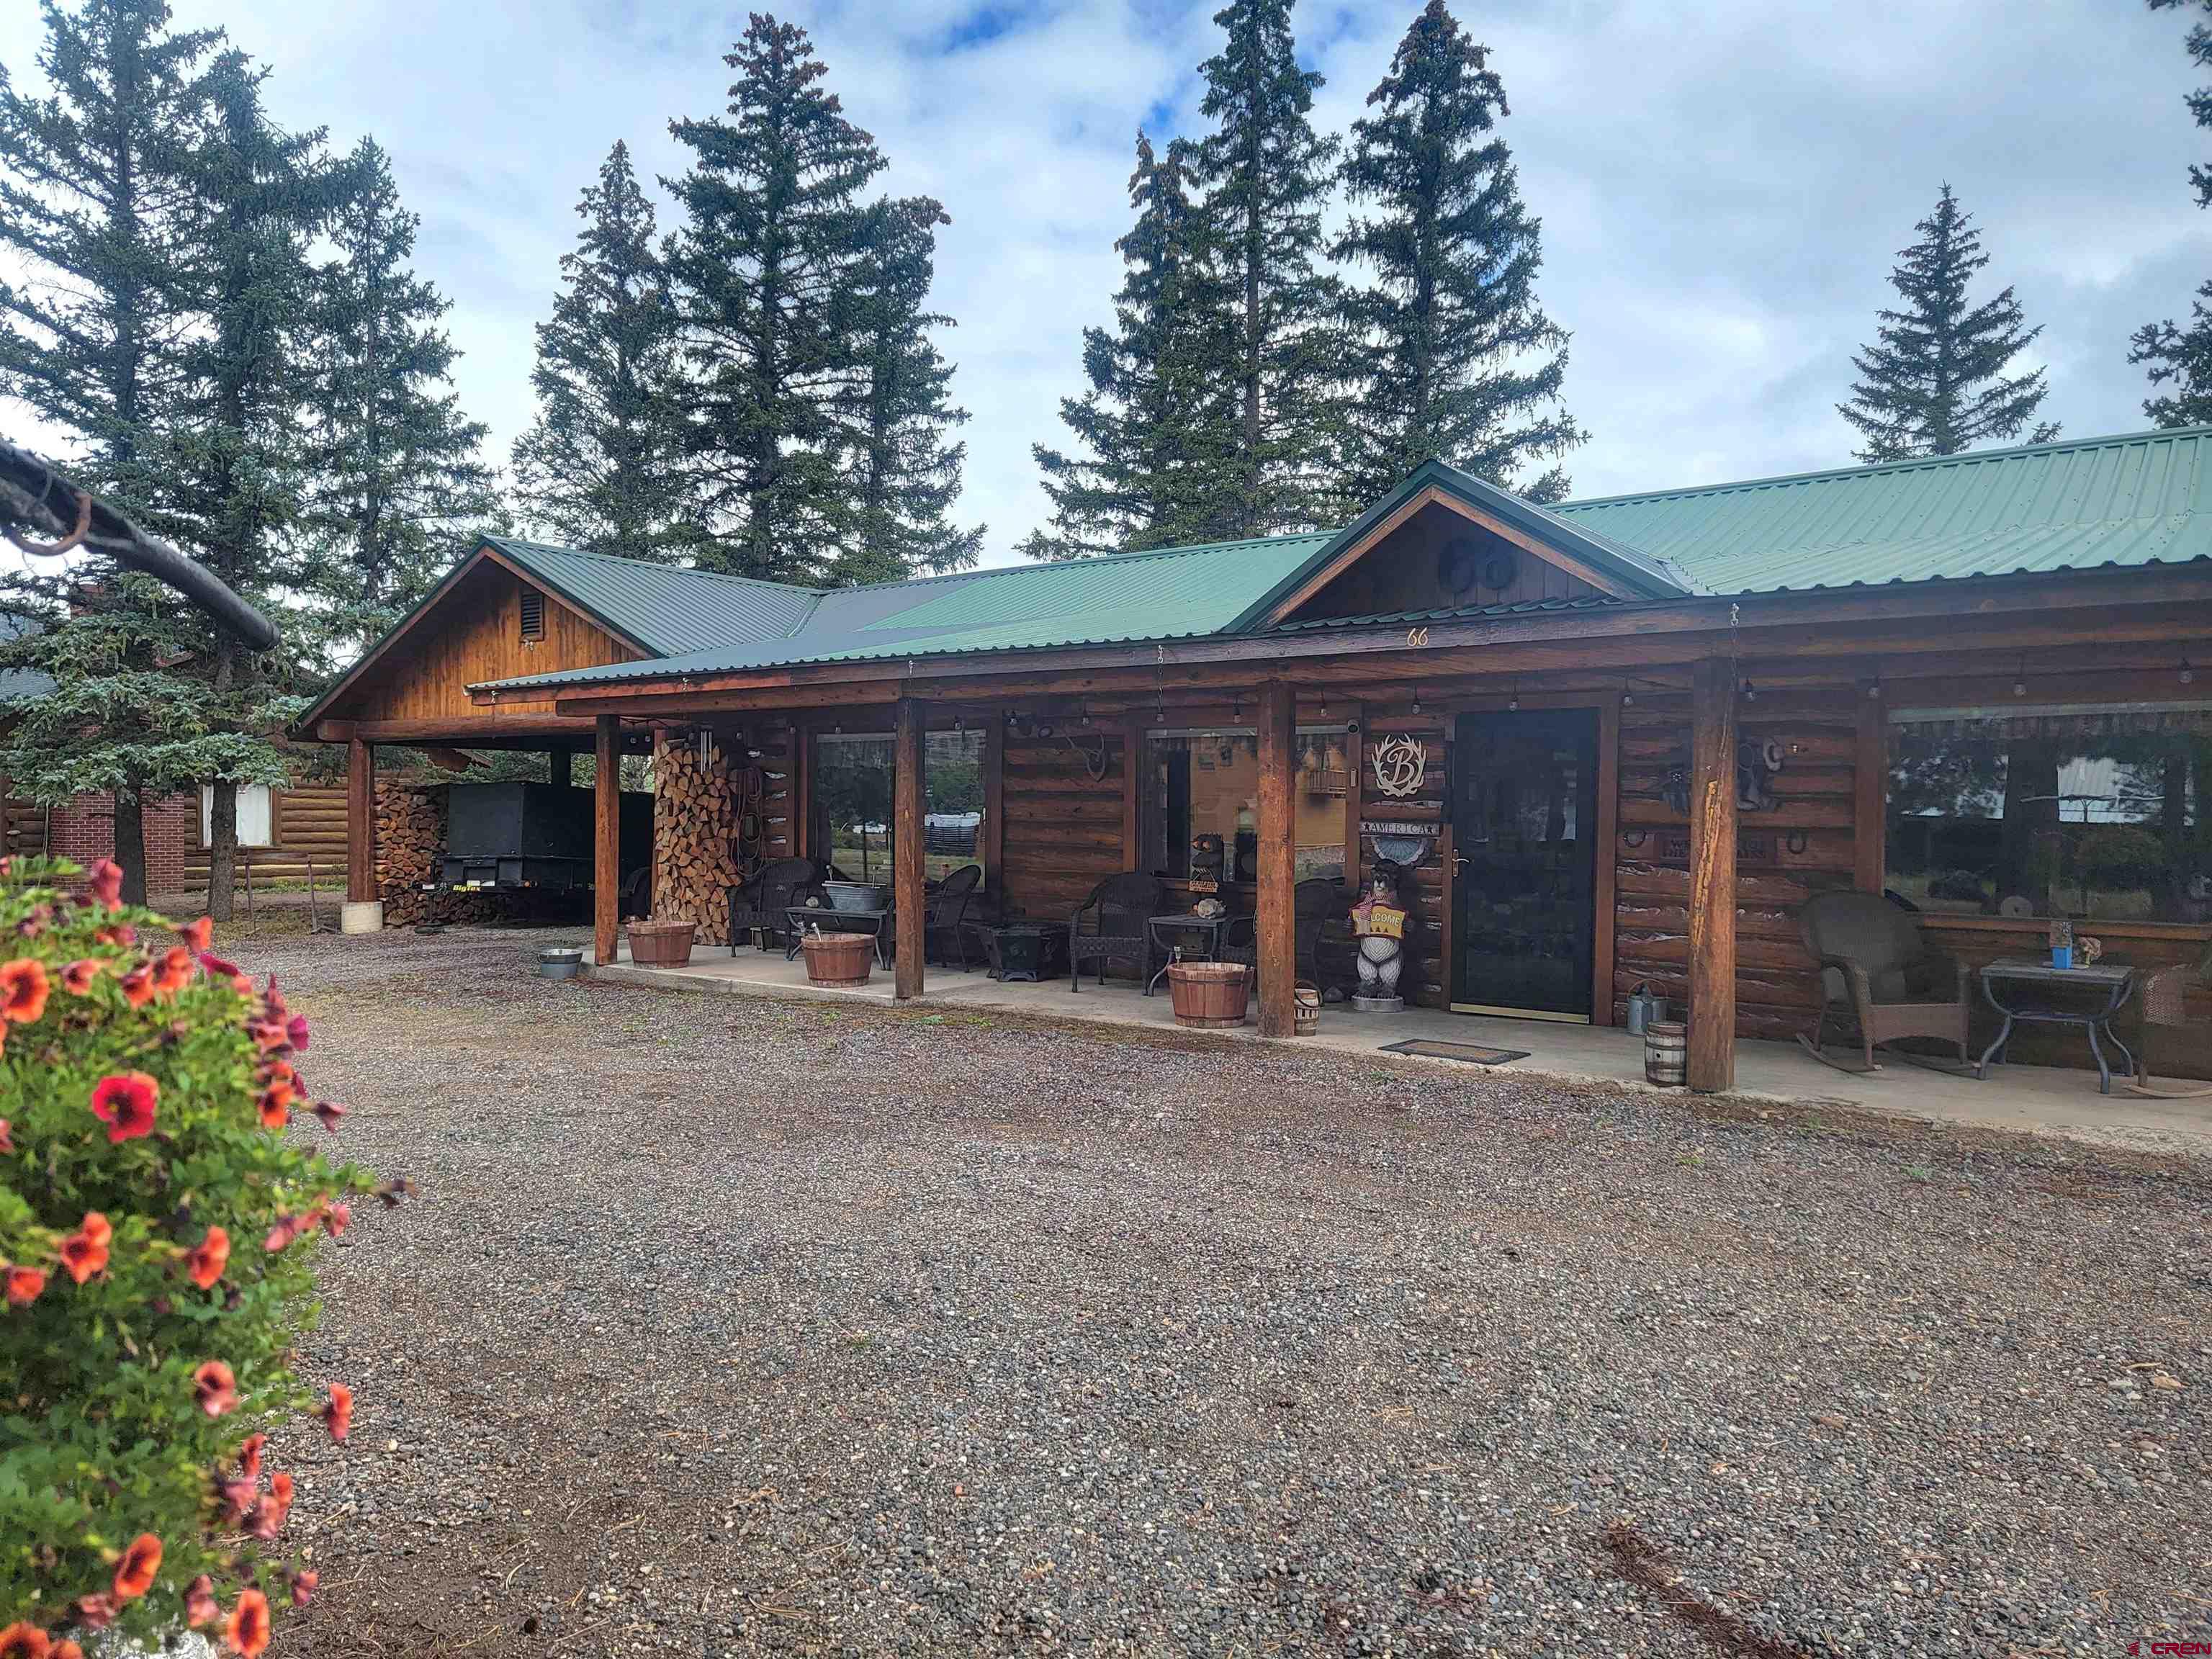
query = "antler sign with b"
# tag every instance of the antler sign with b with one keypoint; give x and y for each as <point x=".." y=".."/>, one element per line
<point x="1401" y="765"/>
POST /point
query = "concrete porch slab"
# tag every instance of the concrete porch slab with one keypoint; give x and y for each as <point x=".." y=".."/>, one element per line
<point x="2025" y="1098"/>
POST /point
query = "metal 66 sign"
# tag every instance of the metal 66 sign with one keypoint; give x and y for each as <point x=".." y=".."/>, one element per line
<point x="1399" y="764"/>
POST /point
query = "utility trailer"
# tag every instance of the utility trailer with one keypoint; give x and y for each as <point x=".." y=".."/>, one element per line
<point x="510" y="836"/>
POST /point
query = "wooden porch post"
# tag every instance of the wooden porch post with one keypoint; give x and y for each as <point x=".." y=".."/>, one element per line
<point x="606" y="838"/>
<point x="993" y="848"/>
<point x="1274" y="899"/>
<point x="1870" y="789"/>
<point x="1712" y="876"/>
<point x="361" y="821"/>
<point x="908" y="832"/>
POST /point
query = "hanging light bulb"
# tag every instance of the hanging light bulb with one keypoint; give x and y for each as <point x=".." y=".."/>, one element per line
<point x="1417" y="700"/>
<point x="1750" y="691"/>
<point x="2020" y="680"/>
<point x="2188" y="672"/>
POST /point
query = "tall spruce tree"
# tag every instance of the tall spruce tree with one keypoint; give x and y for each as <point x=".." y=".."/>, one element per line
<point x="97" y="208"/>
<point x="1933" y="382"/>
<point x="397" y="484"/>
<point x="1456" y="358"/>
<point x="1265" y="175"/>
<point x="602" y="465"/>
<point x="1158" y="425"/>
<point x="2179" y="359"/>
<point x="763" y="269"/>
<point x="905" y="469"/>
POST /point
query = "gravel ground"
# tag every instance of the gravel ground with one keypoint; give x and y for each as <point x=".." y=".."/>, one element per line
<point x="727" y="1325"/>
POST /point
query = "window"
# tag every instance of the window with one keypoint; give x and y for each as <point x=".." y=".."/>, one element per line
<point x="2089" y="812"/>
<point x="256" y="815"/>
<point x="533" y="614"/>
<point x="850" y="802"/>
<point x="1201" y="802"/>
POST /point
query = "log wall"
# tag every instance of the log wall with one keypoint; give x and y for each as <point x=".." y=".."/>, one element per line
<point x="1064" y="828"/>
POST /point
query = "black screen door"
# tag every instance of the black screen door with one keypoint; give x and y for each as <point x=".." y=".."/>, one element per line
<point x="1524" y="816"/>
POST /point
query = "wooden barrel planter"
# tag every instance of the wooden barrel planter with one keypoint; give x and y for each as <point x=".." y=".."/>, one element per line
<point x="660" y="944"/>
<point x="1209" y="995"/>
<point x="838" y="958"/>
<point x="1667" y="1054"/>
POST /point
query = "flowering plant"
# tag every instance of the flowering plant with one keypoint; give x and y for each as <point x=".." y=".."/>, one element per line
<point x="156" y="1240"/>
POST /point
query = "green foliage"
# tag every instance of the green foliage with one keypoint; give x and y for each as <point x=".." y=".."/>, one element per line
<point x="118" y="1291"/>
<point x="602" y="466"/>
<point x="1456" y="358"/>
<point x="1933" y="382"/>
<point x="2180" y="358"/>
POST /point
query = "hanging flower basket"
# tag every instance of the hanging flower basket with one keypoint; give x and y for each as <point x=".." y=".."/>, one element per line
<point x="660" y="944"/>
<point x="1210" y="995"/>
<point x="838" y="958"/>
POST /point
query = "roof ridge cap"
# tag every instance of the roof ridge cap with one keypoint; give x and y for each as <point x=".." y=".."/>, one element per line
<point x="656" y="565"/>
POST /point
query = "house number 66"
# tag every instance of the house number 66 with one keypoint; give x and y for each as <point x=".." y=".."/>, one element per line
<point x="1417" y="636"/>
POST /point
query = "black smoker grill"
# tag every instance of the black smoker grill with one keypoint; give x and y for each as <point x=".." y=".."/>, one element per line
<point x="535" y="834"/>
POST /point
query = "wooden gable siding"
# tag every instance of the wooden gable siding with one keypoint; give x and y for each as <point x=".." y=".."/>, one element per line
<point x="475" y="634"/>
<point x="1399" y="572"/>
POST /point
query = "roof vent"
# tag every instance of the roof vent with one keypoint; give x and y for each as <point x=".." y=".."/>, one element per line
<point x="534" y="615"/>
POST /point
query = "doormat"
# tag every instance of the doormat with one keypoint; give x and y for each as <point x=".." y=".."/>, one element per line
<point x="1475" y="1054"/>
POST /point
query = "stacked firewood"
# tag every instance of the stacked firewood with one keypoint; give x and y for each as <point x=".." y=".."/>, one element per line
<point x="695" y="827"/>
<point x="411" y="850"/>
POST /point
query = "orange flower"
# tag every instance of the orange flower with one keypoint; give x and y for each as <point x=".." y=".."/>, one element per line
<point x="122" y="935"/>
<point x="84" y="1252"/>
<point x="77" y="978"/>
<point x="206" y="1260"/>
<point x="303" y="1586"/>
<point x="217" y="1388"/>
<point x="25" y="1285"/>
<point x="65" y="1648"/>
<point x="138" y="987"/>
<point x="338" y="1415"/>
<point x="248" y="1632"/>
<point x="8" y="1140"/>
<point x="200" y="1606"/>
<point x="275" y="1103"/>
<point x="124" y="1101"/>
<point x="105" y="883"/>
<point x="269" y="1515"/>
<point x="198" y="935"/>
<point x="249" y="1458"/>
<point x="134" y="1573"/>
<point x="22" y="990"/>
<point x="24" y="1641"/>
<point x="173" y="971"/>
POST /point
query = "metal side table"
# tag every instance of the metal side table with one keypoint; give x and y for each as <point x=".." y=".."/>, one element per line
<point x="2032" y="984"/>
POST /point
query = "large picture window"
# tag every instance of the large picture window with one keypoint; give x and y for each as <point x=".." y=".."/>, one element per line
<point x="2089" y="812"/>
<point x="851" y="802"/>
<point x="1201" y="802"/>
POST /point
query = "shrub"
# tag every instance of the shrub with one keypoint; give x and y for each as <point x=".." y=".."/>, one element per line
<point x="156" y="1233"/>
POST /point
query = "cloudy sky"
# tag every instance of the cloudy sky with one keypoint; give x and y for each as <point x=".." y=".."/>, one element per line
<point x="1722" y="185"/>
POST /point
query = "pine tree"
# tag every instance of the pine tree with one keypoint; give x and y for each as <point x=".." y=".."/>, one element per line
<point x="763" y="269"/>
<point x="96" y="205"/>
<point x="2180" y="358"/>
<point x="1933" y="382"/>
<point x="1266" y="174"/>
<point x="905" y="469"/>
<point x="602" y="466"/>
<point x="1456" y="357"/>
<point x="397" y="482"/>
<point x="1157" y="429"/>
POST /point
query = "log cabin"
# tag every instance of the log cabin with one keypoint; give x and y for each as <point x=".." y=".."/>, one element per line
<point x="1607" y="744"/>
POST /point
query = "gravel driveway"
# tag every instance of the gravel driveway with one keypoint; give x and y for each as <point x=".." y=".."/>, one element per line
<point x="727" y="1325"/>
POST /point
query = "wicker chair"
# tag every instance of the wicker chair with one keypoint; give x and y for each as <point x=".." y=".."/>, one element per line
<point x="1118" y="909"/>
<point x="945" y="915"/>
<point x="1877" y="974"/>
<point x="761" y="902"/>
<point x="1314" y="903"/>
<point x="2162" y="1002"/>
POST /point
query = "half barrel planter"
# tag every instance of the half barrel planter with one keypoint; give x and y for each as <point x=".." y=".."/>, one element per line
<point x="838" y="958"/>
<point x="660" y="944"/>
<point x="1210" y="995"/>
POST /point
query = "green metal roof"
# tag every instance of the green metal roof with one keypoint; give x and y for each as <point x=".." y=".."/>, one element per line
<point x="2135" y="500"/>
<point x="666" y="608"/>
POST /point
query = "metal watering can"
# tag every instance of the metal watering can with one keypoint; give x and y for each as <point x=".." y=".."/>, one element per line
<point x="1645" y="1010"/>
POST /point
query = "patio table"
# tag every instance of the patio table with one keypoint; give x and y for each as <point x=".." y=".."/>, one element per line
<point x="838" y="921"/>
<point x="1187" y="922"/>
<point x="2114" y="983"/>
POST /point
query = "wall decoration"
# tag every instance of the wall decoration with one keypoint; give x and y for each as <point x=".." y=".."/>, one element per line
<point x="1400" y="764"/>
<point x="1757" y="761"/>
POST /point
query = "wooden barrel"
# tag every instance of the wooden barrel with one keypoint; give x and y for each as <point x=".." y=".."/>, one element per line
<point x="1305" y="1011"/>
<point x="1667" y="1054"/>
<point x="660" y="944"/>
<point x="1209" y="995"/>
<point x="838" y="958"/>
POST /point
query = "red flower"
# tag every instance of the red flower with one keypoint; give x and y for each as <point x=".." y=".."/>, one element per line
<point x="22" y="990"/>
<point x="65" y="1648"/>
<point x="84" y="1252"/>
<point x="286" y="1229"/>
<point x="25" y="1285"/>
<point x="198" y="934"/>
<point x="105" y="883"/>
<point x="217" y="1388"/>
<point x="248" y="1632"/>
<point x="7" y="1140"/>
<point x="249" y="1458"/>
<point x="239" y="1496"/>
<point x="22" y="1641"/>
<point x="338" y="1415"/>
<point x="94" y="1611"/>
<point x="335" y="1218"/>
<point x="206" y="1260"/>
<point x="134" y="1573"/>
<point x="173" y="971"/>
<point x="296" y="1030"/>
<point x="138" y="987"/>
<point x="303" y="1586"/>
<point x="199" y="1602"/>
<point x="328" y="1112"/>
<point x="219" y="968"/>
<point x="77" y="978"/>
<point x="269" y="1516"/>
<point x="122" y="935"/>
<point x="124" y="1101"/>
<point x="275" y="1103"/>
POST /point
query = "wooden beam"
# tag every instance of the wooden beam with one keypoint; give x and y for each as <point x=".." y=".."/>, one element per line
<point x="1274" y="899"/>
<point x="1712" y="876"/>
<point x="1132" y="763"/>
<point x="798" y="791"/>
<point x="606" y="839"/>
<point x="361" y="821"/>
<point x="1608" y="853"/>
<point x="994" y="807"/>
<point x="1870" y="789"/>
<point x="908" y="832"/>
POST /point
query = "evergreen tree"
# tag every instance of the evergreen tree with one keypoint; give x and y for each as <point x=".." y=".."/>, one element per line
<point x="2180" y="358"/>
<point x="96" y="205"/>
<point x="397" y="483"/>
<point x="1456" y="357"/>
<point x="1265" y="175"/>
<point x="762" y="270"/>
<point x="1157" y="427"/>
<point x="602" y="466"/>
<point x="905" y="469"/>
<point x="1933" y="382"/>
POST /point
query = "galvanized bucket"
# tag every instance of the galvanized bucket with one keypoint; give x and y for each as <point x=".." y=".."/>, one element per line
<point x="1644" y="1008"/>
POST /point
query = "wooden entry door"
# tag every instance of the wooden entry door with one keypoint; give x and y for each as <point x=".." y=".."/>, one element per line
<point x="1524" y="831"/>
